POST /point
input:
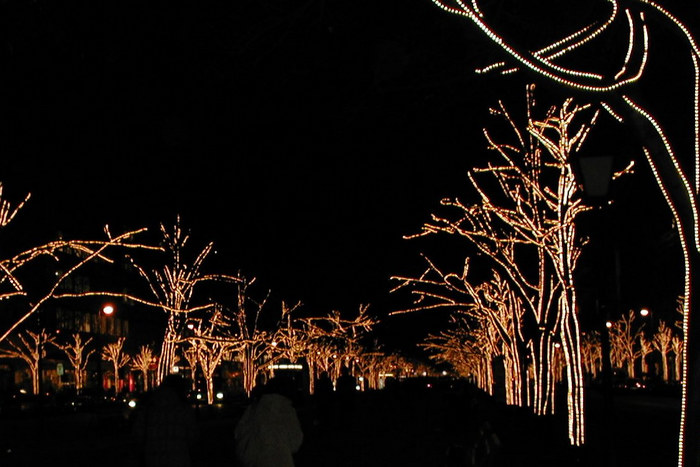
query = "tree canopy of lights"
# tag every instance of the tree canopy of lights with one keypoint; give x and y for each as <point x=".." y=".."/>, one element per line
<point x="114" y="353"/>
<point x="19" y="283"/>
<point x="529" y="204"/>
<point x="78" y="356"/>
<point x="632" y="25"/>
<point x="142" y="362"/>
<point x="172" y="288"/>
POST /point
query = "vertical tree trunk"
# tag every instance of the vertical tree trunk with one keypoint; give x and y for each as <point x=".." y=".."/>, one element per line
<point x="210" y="388"/>
<point x="571" y="340"/>
<point x="541" y="353"/>
<point x="167" y="351"/>
<point x="664" y="365"/>
<point x="630" y="368"/>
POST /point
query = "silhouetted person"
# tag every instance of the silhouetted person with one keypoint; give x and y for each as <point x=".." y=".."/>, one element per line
<point x="166" y="427"/>
<point x="345" y="390"/>
<point x="323" y="397"/>
<point x="346" y="384"/>
<point x="269" y="431"/>
<point x="323" y="388"/>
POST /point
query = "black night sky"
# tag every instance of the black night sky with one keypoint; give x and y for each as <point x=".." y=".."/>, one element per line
<point x="303" y="138"/>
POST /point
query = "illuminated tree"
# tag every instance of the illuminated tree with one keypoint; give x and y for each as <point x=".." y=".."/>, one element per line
<point x="254" y="345"/>
<point x="491" y="300"/>
<point x="290" y="340"/>
<point x="678" y="177"/>
<point x="30" y="347"/>
<point x="172" y="288"/>
<point x="646" y="347"/>
<point x="530" y="217"/>
<point x="458" y="348"/>
<point x="592" y="353"/>
<point x="78" y="357"/>
<point x="142" y="362"/>
<point x="663" y="339"/>
<point x="209" y="342"/>
<point x="339" y="337"/>
<point x="623" y="338"/>
<point x="677" y="346"/>
<point x="114" y="353"/>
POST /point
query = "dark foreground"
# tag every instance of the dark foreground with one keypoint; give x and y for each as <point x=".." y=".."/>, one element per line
<point x="447" y="424"/>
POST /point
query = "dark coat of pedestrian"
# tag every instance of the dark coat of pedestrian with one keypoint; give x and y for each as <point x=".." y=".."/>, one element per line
<point x="166" y="428"/>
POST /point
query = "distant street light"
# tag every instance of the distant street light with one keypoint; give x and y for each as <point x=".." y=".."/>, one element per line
<point x="108" y="309"/>
<point x="644" y="312"/>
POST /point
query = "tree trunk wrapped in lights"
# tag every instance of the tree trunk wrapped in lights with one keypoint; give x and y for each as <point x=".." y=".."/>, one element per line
<point x="114" y="353"/>
<point x="662" y="342"/>
<point x="254" y="345"/>
<point x="142" y="362"/>
<point x="630" y="28"/>
<point x="492" y="301"/>
<point x="677" y="346"/>
<point x="646" y="347"/>
<point x="172" y="288"/>
<point x="78" y="357"/>
<point x="533" y="212"/>
<point x="30" y="347"/>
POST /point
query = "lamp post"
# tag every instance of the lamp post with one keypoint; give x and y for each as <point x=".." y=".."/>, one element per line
<point x="595" y="174"/>
<point x="107" y="310"/>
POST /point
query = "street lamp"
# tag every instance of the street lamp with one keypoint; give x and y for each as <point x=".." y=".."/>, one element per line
<point x="644" y="312"/>
<point x="595" y="174"/>
<point x="108" y="309"/>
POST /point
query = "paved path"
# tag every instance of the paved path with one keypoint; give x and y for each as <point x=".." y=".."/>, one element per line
<point x="411" y="426"/>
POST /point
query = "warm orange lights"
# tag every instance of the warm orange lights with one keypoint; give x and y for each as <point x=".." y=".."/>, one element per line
<point x="529" y="204"/>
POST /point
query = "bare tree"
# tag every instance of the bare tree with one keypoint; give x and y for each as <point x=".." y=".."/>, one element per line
<point x="663" y="343"/>
<point x="290" y="340"/>
<point x="209" y="343"/>
<point x="78" y="357"/>
<point x="254" y="344"/>
<point x="114" y="353"/>
<point x="30" y="347"/>
<point x="592" y="352"/>
<point x="142" y="362"/>
<point x="172" y="288"/>
<point x="646" y="347"/>
<point x="677" y="173"/>
<point x="677" y="346"/>
<point x="492" y="300"/>
<point x="623" y="338"/>
<point x="531" y="217"/>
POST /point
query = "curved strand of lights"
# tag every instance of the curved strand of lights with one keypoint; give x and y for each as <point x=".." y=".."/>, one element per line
<point x="676" y="165"/>
<point x="686" y="300"/>
<point x="630" y="44"/>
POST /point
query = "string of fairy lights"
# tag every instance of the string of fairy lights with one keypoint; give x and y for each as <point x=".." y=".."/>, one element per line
<point x="637" y="53"/>
<point x="534" y="209"/>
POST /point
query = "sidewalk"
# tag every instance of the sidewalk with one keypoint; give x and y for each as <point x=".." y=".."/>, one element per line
<point x="412" y="425"/>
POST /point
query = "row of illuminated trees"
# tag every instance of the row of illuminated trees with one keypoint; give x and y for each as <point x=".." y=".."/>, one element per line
<point x="515" y="300"/>
<point x="323" y="344"/>
<point x="632" y="342"/>
<point x="242" y="327"/>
